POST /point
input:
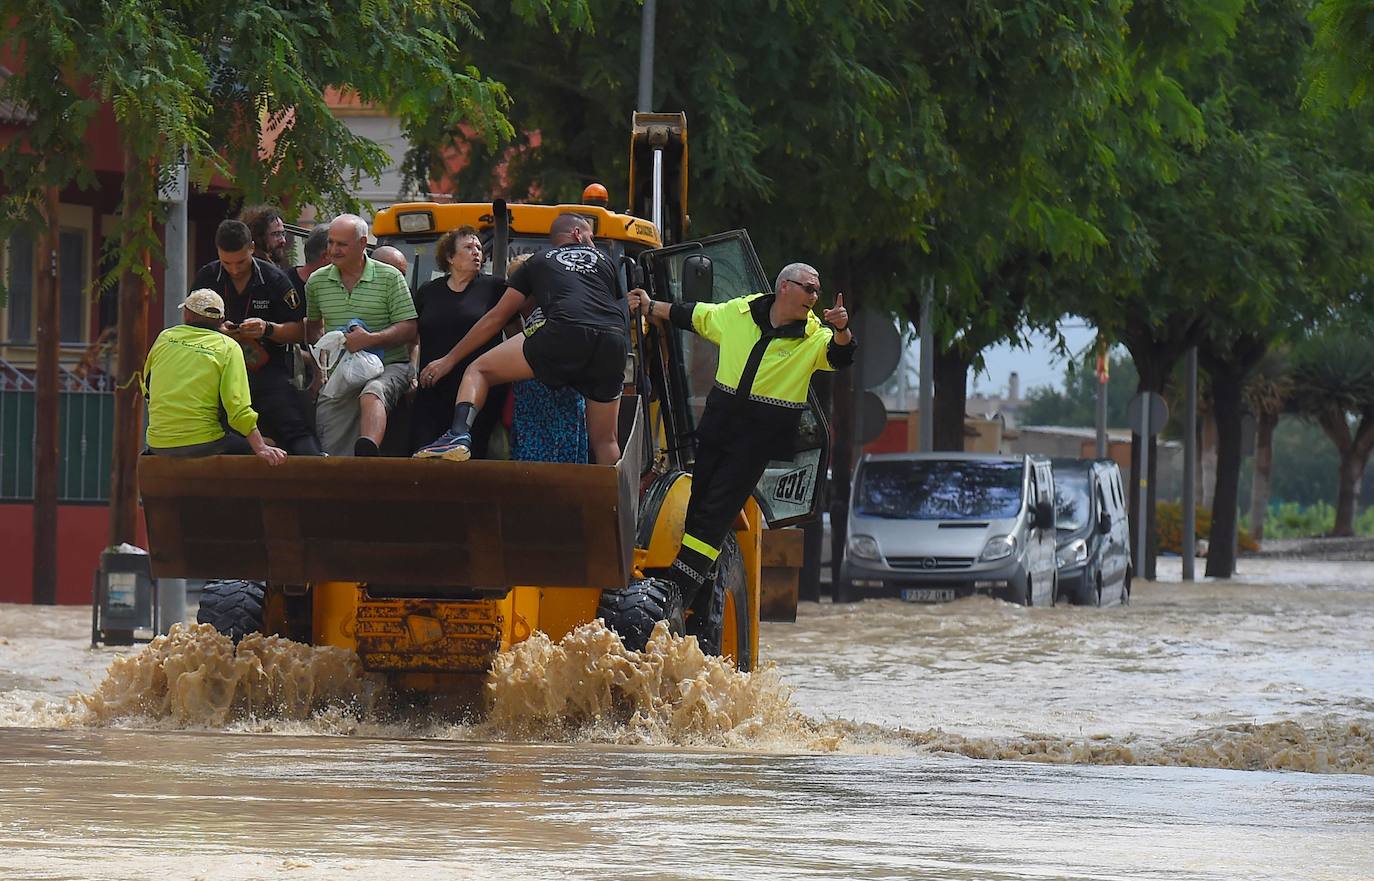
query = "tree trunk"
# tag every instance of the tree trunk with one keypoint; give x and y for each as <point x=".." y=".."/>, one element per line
<point x="1354" y="452"/>
<point x="1227" y="391"/>
<point x="1351" y="470"/>
<point x="1264" y="468"/>
<point x="951" y="399"/>
<point x="845" y="392"/>
<point x="46" y="374"/>
<point x="130" y="353"/>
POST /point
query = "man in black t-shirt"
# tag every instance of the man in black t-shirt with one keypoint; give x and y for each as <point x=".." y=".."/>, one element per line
<point x="263" y="311"/>
<point x="583" y="341"/>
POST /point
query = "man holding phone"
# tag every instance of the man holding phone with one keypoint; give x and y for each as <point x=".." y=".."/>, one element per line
<point x="265" y="314"/>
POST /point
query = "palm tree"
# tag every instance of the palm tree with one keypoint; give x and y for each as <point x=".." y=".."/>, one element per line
<point x="1333" y="385"/>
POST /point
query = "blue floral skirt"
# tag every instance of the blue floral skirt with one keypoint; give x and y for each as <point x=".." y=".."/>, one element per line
<point x="549" y="426"/>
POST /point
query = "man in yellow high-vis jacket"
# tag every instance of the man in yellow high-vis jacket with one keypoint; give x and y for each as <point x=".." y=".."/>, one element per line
<point x="770" y="345"/>
<point x="194" y="378"/>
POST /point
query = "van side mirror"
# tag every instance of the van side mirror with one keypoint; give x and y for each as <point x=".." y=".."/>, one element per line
<point x="1044" y="514"/>
<point x="698" y="279"/>
<point x="1104" y="522"/>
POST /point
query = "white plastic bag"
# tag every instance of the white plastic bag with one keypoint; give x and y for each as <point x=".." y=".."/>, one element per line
<point x="346" y="372"/>
<point x="328" y="350"/>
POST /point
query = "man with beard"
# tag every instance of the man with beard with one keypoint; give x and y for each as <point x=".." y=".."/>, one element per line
<point x="269" y="235"/>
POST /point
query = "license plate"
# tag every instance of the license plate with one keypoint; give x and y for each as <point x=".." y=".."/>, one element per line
<point x="928" y="594"/>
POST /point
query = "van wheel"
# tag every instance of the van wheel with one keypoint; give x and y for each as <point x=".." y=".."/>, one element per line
<point x="1097" y="597"/>
<point x="633" y="611"/>
<point x="234" y="608"/>
<point x="1126" y="589"/>
<point x="1030" y="591"/>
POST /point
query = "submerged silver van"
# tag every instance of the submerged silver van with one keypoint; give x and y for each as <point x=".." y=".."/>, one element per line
<point x="932" y="527"/>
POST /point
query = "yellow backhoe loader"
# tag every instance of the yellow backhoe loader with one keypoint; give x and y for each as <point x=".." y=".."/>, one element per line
<point x="429" y="568"/>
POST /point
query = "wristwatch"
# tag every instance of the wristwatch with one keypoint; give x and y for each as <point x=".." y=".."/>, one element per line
<point x="267" y="330"/>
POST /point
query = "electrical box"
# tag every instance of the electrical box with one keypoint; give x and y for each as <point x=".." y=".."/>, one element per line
<point x="124" y="606"/>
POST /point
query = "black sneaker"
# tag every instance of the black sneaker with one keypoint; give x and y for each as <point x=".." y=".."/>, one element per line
<point x="365" y="446"/>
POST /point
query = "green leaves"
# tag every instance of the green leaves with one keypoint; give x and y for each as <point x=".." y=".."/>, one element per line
<point x="241" y="85"/>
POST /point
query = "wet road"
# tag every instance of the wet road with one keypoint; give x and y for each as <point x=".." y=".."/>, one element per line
<point x="1168" y="740"/>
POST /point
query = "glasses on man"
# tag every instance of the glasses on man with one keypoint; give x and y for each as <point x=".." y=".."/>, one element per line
<point x="812" y="289"/>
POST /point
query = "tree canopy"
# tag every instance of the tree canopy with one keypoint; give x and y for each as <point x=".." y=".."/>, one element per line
<point x="239" y="86"/>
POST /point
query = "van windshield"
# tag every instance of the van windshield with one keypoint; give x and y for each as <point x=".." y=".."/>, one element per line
<point x="935" y="490"/>
<point x="1071" y="501"/>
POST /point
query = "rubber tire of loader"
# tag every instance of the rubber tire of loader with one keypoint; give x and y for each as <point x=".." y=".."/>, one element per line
<point x="234" y="608"/>
<point x="633" y="611"/>
<point x="708" y="624"/>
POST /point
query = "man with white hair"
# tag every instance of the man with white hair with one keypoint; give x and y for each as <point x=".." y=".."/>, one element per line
<point x="370" y="302"/>
<point x="770" y="345"/>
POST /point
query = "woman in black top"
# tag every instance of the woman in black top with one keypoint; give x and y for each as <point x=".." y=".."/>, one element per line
<point x="448" y="308"/>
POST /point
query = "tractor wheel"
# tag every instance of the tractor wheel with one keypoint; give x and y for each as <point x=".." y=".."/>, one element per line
<point x="633" y="612"/>
<point x="707" y="622"/>
<point x="234" y="608"/>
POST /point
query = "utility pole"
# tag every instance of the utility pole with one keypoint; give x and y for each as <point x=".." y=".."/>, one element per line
<point x="646" y="56"/>
<point x="1142" y="532"/>
<point x="49" y="338"/>
<point x="927" y="377"/>
<point x="1103" y="368"/>
<point x="1189" y="539"/>
<point x="171" y="592"/>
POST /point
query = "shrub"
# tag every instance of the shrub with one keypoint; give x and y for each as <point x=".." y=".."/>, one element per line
<point x="1169" y="528"/>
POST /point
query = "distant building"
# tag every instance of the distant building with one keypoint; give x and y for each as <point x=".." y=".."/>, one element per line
<point x="1008" y="404"/>
<point x="1072" y="442"/>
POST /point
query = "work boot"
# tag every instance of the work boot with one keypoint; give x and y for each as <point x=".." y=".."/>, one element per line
<point x="691" y="571"/>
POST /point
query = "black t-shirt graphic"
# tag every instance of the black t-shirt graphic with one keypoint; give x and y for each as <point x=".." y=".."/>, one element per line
<point x="269" y="295"/>
<point x="446" y="317"/>
<point x="574" y="284"/>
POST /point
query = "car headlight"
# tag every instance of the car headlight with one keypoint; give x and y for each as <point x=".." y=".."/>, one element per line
<point x="998" y="546"/>
<point x="1073" y="553"/>
<point x="864" y="546"/>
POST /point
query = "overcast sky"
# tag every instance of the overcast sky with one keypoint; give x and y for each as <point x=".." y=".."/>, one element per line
<point x="1037" y="365"/>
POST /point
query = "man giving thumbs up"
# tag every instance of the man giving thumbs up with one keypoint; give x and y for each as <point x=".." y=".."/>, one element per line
<point x="770" y="345"/>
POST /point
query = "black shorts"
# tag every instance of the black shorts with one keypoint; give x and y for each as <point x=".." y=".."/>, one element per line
<point x="590" y="359"/>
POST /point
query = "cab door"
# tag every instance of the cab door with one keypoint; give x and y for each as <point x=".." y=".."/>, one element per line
<point x="715" y="269"/>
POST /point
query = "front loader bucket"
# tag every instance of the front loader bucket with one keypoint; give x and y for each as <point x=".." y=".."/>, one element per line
<point x="403" y="522"/>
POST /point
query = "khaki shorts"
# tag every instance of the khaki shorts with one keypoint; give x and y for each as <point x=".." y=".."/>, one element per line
<point x="338" y="420"/>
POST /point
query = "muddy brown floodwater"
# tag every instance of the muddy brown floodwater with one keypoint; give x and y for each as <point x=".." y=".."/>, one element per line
<point x="1210" y="730"/>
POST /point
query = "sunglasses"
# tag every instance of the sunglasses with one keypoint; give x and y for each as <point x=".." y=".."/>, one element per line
<point x="812" y="289"/>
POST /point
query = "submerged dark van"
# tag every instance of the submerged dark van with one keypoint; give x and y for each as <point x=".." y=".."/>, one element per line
<point x="1094" y="545"/>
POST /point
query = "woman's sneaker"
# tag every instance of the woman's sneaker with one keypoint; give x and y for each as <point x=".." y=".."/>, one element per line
<point x="451" y="445"/>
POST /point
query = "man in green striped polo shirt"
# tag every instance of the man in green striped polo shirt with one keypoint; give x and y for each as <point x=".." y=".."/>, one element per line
<point x="356" y="289"/>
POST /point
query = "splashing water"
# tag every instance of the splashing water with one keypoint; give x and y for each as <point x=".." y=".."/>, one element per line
<point x="195" y="676"/>
<point x="589" y="686"/>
